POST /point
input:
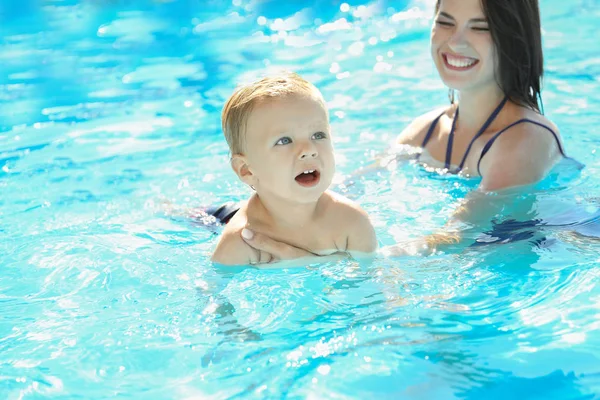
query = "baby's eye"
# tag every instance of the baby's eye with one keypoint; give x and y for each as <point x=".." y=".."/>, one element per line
<point x="319" y="135"/>
<point x="283" y="141"/>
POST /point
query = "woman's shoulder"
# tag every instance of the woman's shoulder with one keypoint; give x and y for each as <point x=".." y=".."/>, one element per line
<point x="415" y="132"/>
<point x="529" y="129"/>
<point x="537" y="120"/>
<point x="522" y="153"/>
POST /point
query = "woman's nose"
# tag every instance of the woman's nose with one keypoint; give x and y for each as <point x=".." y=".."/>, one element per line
<point x="458" y="41"/>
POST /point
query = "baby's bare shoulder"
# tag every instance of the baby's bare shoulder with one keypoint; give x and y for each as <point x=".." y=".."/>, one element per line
<point x="344" y="213"/>
<point x="231" y="249"/>
<point x="336" y="204"/>
<point x="354" y="231"/>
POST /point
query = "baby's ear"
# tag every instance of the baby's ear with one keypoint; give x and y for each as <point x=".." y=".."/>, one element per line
<point x="240" y="166"/>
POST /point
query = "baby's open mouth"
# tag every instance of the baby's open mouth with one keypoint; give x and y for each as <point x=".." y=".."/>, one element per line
<point x="308" y="178"/>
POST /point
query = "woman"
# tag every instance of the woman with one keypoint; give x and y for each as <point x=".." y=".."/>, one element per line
<point x="489" y="53"/>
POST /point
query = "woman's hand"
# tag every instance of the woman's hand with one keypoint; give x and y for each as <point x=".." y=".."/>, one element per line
<point x="416" y="247"/>
<point x="270" y="250"/>
<point x="423" y="246"/>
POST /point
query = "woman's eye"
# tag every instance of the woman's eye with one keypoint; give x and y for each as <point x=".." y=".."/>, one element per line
<point x="319" y="135"/>
<point x="481" y="29"/>
<point x="444" y="23"/>
<point x="283" y="141"/>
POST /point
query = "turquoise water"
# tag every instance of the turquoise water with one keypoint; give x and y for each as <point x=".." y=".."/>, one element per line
<point x="110" y="109"/>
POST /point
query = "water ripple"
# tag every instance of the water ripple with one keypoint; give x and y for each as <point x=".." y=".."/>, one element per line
<point x="109" y="111"/>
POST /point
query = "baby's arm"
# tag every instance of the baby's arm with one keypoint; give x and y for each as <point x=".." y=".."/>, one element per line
<point x="360" y="234"/>
<point x="232" y="250"/>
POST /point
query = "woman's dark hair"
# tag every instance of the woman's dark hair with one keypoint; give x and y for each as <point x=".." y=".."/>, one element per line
<point x="516" y="32"/>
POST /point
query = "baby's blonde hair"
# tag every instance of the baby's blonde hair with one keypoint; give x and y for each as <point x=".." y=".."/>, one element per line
<point x="244" y="98"/>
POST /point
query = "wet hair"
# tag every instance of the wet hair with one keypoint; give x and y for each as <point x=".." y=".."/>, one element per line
<point x="239" y="106"/>
<point x="515" y="29"/>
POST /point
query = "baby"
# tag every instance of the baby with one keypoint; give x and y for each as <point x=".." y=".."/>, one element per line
<point x="281" y="146"/>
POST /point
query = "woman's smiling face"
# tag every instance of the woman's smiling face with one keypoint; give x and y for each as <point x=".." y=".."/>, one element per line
<point x="462" y="47"/>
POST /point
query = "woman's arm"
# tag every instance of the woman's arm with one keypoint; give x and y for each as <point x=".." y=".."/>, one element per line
<point x="522" y="156"/>
<point x="478" y="209"/>
<point x="271" y="251"/>
<point x="407" y="146"/>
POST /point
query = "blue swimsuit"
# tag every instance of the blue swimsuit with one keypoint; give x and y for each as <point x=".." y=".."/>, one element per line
<point x="223" y="213"/>
<point x="488" y="145"/>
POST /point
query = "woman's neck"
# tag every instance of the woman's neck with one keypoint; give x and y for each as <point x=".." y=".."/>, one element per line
<point x="477" y="105"/>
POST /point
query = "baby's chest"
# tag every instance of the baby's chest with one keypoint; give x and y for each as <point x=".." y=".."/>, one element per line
<point x="320" y="240"/>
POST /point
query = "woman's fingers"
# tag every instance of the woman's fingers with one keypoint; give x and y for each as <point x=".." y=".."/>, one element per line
<point x="272" y="250"/>
<point x="261" y="242"/>
<point x="264" y="257"/>
<point x="393" y="251"/>
<point x="411" y="248"/>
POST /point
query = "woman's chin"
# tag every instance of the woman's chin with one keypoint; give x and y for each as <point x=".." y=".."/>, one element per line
<point x="455" y="84"/>
<point x="468" y="82"/>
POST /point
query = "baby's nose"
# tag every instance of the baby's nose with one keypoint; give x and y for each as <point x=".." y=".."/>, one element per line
<point x="312" y="154"/>
<point x="309" y="151"/>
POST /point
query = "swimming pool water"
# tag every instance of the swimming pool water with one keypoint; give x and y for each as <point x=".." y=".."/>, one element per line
<point x="110" y="109"/>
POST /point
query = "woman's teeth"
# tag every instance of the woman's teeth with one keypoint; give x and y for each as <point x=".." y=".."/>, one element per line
<point x="309" y="171"/>
<point x="460" y="62"/>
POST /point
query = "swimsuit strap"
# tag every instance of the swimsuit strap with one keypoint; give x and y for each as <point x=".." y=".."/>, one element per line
<point x="451" y="142"/>
<point x="430" y="132"/>
<point x="490" y="142"/>
<point x="487" y="123"/>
